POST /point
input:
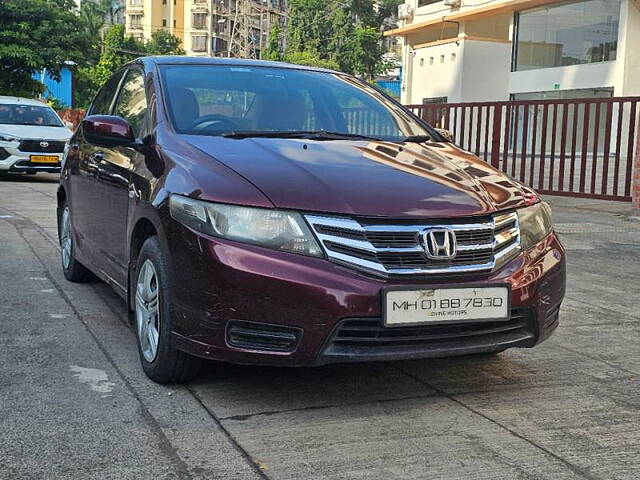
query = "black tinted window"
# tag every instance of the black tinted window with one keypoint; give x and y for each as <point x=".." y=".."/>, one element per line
<point x="132" y="101"/>
<point x="102" y="103"/>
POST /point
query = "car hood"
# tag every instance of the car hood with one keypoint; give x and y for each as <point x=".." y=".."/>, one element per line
<point x="367" y="178"/>
<point x="36" y="132"/>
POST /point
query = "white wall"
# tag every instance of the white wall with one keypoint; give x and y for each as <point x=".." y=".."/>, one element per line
<point x="485" y="74"/>
<point x="629" y="49"/>
<point x="479" y="72"/>
<point x="443" y="78"/>
<point x="592" y="75"/>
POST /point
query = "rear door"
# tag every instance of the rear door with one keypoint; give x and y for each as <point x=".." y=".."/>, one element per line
<point x="83" y="179"/>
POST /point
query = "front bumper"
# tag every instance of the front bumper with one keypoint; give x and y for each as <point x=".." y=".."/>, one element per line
<point x="224" y="291"/>
<point x="14" y="160"/>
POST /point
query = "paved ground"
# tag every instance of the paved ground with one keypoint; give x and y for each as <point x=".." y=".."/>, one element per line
<point x="75" y="404"/>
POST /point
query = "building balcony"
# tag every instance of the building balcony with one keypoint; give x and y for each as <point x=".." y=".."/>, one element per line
<point x="135" y="26"/>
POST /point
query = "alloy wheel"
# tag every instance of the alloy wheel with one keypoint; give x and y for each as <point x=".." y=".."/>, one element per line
<point x="148" y="310"/>
<point x="66" y="239"/>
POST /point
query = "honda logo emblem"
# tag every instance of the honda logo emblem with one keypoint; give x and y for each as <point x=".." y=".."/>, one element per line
<point x="439" y="243"/>
<point x="44" y="144"/>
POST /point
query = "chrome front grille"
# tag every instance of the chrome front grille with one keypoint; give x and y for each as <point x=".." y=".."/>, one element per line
<point x="396" y="248"/>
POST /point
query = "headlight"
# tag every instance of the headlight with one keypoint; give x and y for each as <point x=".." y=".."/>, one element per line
<point x="276" y="229"/>
<point x="5" y="137"/>
<point x="535" y="224"/>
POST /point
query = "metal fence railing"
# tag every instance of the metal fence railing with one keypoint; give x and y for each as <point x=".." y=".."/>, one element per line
<point x="578" y="147"/>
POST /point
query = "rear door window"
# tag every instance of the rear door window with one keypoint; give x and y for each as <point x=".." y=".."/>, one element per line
<point x="102" y="103"/>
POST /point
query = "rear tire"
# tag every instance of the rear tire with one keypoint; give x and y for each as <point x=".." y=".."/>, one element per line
<point x="153" y="320"/>
<point x="73" y="270"/>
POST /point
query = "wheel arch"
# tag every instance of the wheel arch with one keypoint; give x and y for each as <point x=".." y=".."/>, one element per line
<point x="143" y="229"/>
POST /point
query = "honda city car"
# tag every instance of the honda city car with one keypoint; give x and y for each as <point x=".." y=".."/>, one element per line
<point x="264" y="213"/>
<point x="32" y="136"/>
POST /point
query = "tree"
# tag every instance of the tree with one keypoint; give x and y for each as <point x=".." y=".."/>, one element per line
<point x="387" y="9"/>
<point x="116" y="51"/>
<point x="364" y="53"/>
<point x="272" y="52"/>
<point x="308" y="23"/>
<point x="311" y="59"/>
<point x="37" y="34"/>
<point x="346" y="33"/>
<point x="163" y="43"/>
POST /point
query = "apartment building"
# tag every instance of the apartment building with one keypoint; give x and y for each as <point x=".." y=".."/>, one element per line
<point x="209" y="27"/>
<point x="479" y="50"/>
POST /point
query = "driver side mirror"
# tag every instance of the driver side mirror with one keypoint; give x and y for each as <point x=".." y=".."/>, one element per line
<point x="107" y="130"/>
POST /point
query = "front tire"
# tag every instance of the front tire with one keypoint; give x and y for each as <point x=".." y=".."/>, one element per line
<point x="73" y="270"/>
<point x="153" y="320"/>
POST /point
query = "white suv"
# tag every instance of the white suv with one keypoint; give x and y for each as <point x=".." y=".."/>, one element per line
<point x="32" y="136"/>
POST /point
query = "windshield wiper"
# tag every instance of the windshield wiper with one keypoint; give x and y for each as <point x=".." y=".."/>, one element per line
<point x="306" y="134"/>
<point x="416" y="138"/>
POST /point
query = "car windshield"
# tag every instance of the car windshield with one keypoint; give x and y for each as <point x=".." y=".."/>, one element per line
<point x="245" y="101"/>
<point x="12" y="114"/>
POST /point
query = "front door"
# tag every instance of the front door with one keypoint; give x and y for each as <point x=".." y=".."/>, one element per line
<point x="114" y="169"/>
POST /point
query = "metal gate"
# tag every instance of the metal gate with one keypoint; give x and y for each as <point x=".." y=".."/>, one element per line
<point x="577" y="147"/>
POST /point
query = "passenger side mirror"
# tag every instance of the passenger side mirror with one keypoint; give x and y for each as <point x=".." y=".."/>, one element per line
<point x="107" y="130"/>
<point x="446" y="134"/>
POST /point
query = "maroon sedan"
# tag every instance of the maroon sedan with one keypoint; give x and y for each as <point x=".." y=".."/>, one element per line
<point x="265" y="213"/>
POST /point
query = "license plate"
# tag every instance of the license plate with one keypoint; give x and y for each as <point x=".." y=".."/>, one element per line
<point x="445" y="305"/>
<point x="44" y="159"/>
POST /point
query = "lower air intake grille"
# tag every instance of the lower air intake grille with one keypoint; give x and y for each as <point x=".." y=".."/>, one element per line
<point x="262" y="336"/>
<point x="370" y="333"/>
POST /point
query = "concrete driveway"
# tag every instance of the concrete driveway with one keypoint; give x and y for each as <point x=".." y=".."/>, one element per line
<point x="74" y="402"/>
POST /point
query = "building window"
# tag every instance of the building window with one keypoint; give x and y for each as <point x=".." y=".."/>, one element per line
<point x="135" y="21"/>
<point x="219" y="46"/>
<point x="431" y="59"/>
<point x="199" y="43"/>
<point x="199" y="20"/>
<point x="164" y="22"/>
<point x="164" y="2"/>
<point x="422" y="62"/>
<point x="453" y="57"/>
<point x="441" y="58"/>
<point x="220" y="24"/>
<point x="174" y="24"/>
<point x="567" y="34"/>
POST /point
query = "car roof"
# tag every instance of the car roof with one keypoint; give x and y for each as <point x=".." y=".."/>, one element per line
<point x="21" y="101"/>
<point x="186" y="60"/>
